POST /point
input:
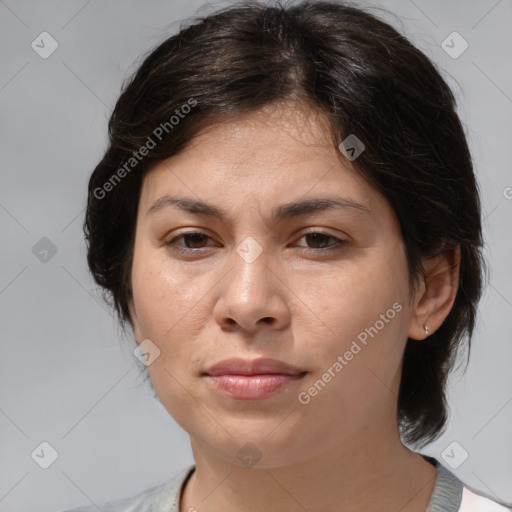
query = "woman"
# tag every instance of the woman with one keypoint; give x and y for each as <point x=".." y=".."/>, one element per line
<point x="288" y="219"/>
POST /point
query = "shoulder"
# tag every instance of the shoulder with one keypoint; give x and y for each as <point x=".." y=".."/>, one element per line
<point x="472" y="502"/>
<point x="450" y="494"/>
<point x="161" y="498"/>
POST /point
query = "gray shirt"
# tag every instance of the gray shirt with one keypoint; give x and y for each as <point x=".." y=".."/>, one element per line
<point x="449" y="495"/>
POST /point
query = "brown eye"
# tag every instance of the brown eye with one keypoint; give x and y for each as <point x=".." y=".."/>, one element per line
<point x="322" y="241"/>
<point x="194" y="240"/>
<point x="189" y="242"/>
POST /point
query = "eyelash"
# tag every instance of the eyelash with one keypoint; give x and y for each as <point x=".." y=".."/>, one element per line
<point x="187" y="250"/>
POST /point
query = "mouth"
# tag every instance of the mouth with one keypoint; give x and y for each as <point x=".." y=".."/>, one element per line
<point x="256" y="379"/>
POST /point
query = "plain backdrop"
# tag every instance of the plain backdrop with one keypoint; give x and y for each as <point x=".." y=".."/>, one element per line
<point x="68" y="375"/>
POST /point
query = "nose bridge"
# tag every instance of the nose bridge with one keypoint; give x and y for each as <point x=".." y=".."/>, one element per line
<point x="249" y="250"/>
<point x="250" y="271"/>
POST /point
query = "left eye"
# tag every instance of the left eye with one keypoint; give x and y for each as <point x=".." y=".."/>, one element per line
<point x="321" y="241"/>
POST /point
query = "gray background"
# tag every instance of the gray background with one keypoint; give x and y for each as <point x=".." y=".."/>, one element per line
<point x="67" y="372"/>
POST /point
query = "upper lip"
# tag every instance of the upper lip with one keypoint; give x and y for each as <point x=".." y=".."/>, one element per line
<point x="238" y="366"/>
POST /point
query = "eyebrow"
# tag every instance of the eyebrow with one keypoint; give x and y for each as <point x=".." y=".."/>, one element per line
<point x="288" y="210"/>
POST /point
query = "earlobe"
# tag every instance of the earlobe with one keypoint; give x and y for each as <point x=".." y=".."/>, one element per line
<point x="438" y="294"/>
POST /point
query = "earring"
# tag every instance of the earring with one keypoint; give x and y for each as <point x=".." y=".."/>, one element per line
<point x="426" y="330"/>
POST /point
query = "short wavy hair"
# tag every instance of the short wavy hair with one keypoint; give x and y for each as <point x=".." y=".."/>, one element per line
<point x="368" y="80"/>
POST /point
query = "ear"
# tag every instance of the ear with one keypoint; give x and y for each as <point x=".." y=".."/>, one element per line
<point x="134" y="322"/>
<point x="436" y="294"/>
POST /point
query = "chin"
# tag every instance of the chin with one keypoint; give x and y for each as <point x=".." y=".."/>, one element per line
<point x="255" y="443"/>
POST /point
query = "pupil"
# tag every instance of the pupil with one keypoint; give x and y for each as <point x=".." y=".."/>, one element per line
<point x="318" y="238"/>
<point x="195" y="238"/>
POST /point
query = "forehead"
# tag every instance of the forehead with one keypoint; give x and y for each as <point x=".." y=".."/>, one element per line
<point x="276" y="135"/>
<point x="279" y="153"/>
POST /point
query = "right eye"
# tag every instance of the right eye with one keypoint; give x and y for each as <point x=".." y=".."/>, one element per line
<point x="193" y="242"/>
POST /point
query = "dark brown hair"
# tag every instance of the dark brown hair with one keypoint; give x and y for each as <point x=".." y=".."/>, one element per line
<point x="369" y="81"/>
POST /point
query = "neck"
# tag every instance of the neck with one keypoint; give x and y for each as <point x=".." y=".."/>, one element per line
<point x="361" y="476"/>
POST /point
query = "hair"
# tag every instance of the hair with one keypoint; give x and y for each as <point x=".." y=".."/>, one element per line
<point x="368" y="80"/>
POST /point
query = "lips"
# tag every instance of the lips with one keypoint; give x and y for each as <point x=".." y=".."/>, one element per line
<point x="256" y="379"/>
<point x="236" y="366"/>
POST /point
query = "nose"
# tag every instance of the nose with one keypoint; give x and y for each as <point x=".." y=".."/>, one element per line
<point x="252" y="297"/>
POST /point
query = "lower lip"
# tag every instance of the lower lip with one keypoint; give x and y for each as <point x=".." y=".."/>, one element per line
<point x="253" y="387"/>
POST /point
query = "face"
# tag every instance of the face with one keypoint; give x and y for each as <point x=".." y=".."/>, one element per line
<point x="257" y="242"/>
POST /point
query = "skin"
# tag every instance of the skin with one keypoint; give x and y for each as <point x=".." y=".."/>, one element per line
<point x="341" y="451"/>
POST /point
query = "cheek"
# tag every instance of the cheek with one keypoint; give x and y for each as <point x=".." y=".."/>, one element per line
<point x="165" y="297"/>
<point x="366" y="313"/>
<point x="354" y="297"/>
<point x="168" y="313"/>
<point x="364" y="307"/>
<point x="172" y="311"/>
